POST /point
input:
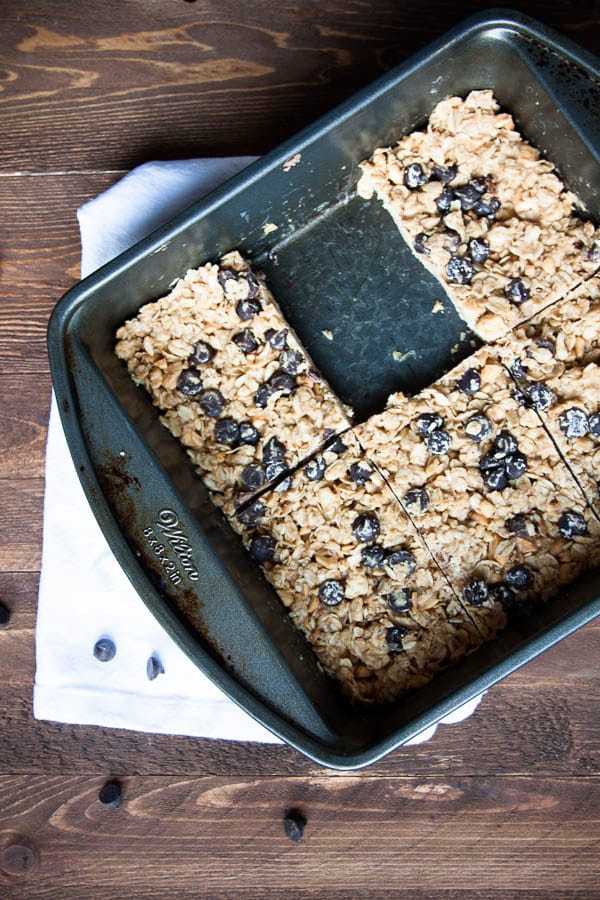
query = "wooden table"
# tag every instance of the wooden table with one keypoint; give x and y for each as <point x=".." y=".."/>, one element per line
<point x="507" y="801"/>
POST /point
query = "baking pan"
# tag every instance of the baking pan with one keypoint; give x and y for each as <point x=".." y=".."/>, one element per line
<point x="336" y="264"/>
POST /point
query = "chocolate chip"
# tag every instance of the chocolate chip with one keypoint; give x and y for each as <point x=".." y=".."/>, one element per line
<point x="253" y="477"/>
<point x="294" y="824"/>
<point x="373" y="556"/>
<point x="337" y="446"/>
<point x="478" y="428"/>
<point x="245" y="341"/>
<point x="252" y="514"/>
<point x="277" y="339"/>
<point x="282" y="383"/>
<point x="593" y="253"/>
<point x="469" y="196"/>
<point x="227" y="431"/>
<point x="211" y="402"/>
<point x="520" y="372"/>
<point x="400" y="600"/>
<point x="520" y="578"/>
<point x="4" y="615"/>
<point x="469" y="382"/>
<point x="110" y="795"/>
<point x="247" y="309"/>
<point x="414" y="176"/>
<point x="417" y="500"/>
<point x="315" y="469"/>
<point x="262" y="548"/>
<point x="262" y="395"/>
<point x="273" y="450"/>
<point x="594" y="424"/>
<point x="420" y="244"/>
<point x="475" y="592"/>
<point x="504" y="444"/>
<point x="451" y="240"/>
<point x="401" y="559"/>
<point x="478" y="250"/>
<point x="445" y="174"/>
<point x="480" y="184"/>
<point x="572" y="524"/>
<point x="459" y="270"/>
<point x="438" y="442"/>
<point x="546" y="344"/>
<point x="248" y="434"/>
<point x="331" y="592"/>
<point x="244" y="281"/>
<point x="495" y="479"/>
<point x="366" y="528"/>
<point x="394" y="637"/>
<point x="273" y="470"/>
<point x="515" y="466"/>
<point x="189" y="382"/>
<point x="443" y="201"/>
<point x="291" y="361"/>
<point x="105" y="650"/>
<point x="538" y="396"/>
<point x="501" y="593"/>
<point x="517" y="292"/>
<point x="487" y="209"/>
<point x="154" y="668"/>
<point x="574" y="423"/>
<point x="360" y="472"/>
<point x="428" y="422"/>
<point x="225" y="275"/>
<point x="520" y="526"/>
<point x="201" y="354"/>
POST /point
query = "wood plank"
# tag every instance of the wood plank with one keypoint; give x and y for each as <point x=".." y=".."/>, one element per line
<point x="110" y="86"/>
<point x="24" y="408"/>
<point x="21" y="524"/>
<point x="392" y="835"/>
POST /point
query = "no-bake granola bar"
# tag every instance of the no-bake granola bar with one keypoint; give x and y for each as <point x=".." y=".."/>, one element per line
<point x="231" y="379"/>
<point x="487" y="215"/>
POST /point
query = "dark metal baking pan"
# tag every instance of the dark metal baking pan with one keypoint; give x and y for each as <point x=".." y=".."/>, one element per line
<point x="336" y="264"/>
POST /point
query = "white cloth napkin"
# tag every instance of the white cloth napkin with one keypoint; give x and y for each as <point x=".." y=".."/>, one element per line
<point x="83" y="593"/>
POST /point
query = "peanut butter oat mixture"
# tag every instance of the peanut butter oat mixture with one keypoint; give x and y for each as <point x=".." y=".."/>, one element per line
<point x="402" y="544"/>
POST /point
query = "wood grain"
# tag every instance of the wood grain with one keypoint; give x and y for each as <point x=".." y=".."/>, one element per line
<point x="190" y="837"/>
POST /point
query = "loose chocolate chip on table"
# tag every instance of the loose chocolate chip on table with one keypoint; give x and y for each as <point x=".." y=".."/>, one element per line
<point x="478" y="428"/>
<point x="443" y="201"/>
<point x="315" y="468"/>
<point x="515" y="466"/>
<point x="394" y="637"/>
<point x="428" y="422"/>
<point x="201" y="354"/>
<point x="459" y="270"/>
<point x="110" y="795"/>
<point x="401" y="559"/>
<point x="475" y="592"/>
<point x="154" y="668"/>
<point x="366" y="528"/>
<point x="420" y="244"/>
<point x="291" y="361"/>
<point x="487" y="209"/>
<point x="273" y="450"/>
<point x="572" y="524"/>
<point x="478" y="250"/>
<point x="189" y="383"/>
<point x="574" y="423"/>
<point x="468" y="195"/>
<point x="400" y="601"/>
<point x="262" y="548"/>
<point x="414" y="176"/>
<point x="445" y="174"/>
<point x="211" y="402"/>
<point x="331" y="592"/>
<point x="517" y="292"/>
<point x="417" y="499"/>
<point x="252" y="514"/>
<point x="277" y="339"/>
<point x="282" y="383"/>
<point x="373" y="556"/>
<point x="247" y="309"/>
<point x="227" y="431"/>
<point x="245" y="341"/>
<point x="538" y="396"/>
<point x="438" y="442"/>
<point x="294" y="824"/>
<point x="594" y="424"/>
<point x="520" y="578"/>
<point x="469" y="382"/>
<point x="253" y="477"/>
<point x="248" y="434"/>
<point x="4" y="615"/>
<point x="360" y="472"/>
<point x="105" y="650"/>
<point x="520" y="525"/>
